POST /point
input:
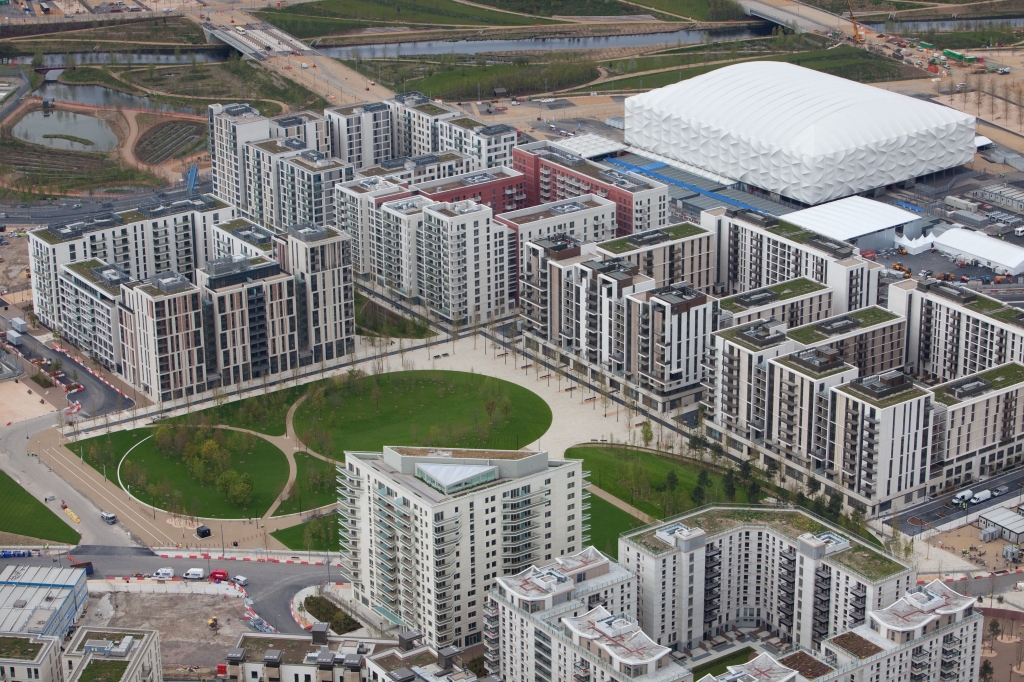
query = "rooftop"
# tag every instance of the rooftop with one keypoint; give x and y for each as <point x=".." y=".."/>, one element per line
<point x="808" y="666"/>
<point x="431" y="109"/>
<point x="883" y="390"/>
<point x="464" y="180"/>
<point x="619" y="634"/>
<point x="107" y="277"/>
<point x="21" y="648"/>
<point x="856" y="645"/>
<point x="278" y="145"/>
<point x="590" y="145"/>
<point x="467" y="123"/>
<point x="855" y="322"/>
<point x="650" y="238"/>
<point x="817" y="363"/>
<point x="850" y="218"/>
<point x="756" y="335"/>
<point x="975" y="385"/>
<point x="449" y="453"/>
<point x="101" y="670"/>
<point x="393" y="660"/>
<point x="923" y="606"/>
<point x="770" y="295"/>
<point x="555" y="209"/>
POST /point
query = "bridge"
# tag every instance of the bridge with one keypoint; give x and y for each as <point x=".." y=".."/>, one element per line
<point x="216" y="34"/>
<point x="804" y="18"/>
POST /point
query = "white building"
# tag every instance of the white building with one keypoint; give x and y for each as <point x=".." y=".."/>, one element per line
<point x="415" y="122"/>
<point x="307" y="188"/>
<point x="232" y="126"/>
<point x="395" y="246"/>
<point x="356" y="212"/>
<point x="427" y="532"/>
<point x="99" y="652"/>
<point x="360" y="133"/>
<point x="30" y="657"/>
<point x="417" y="169"/>
<point x="263" y="178"/>
<point x="487" y="145"/>
<point x="90" y="292"/>
<point x="313" y="129"/>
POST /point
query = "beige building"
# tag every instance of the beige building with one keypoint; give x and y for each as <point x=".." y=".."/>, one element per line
<point x="794" y="303"/>
<point x="121" y="655"/>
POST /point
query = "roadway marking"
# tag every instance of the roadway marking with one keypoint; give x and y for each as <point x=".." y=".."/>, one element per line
<point x="114" y="503"/>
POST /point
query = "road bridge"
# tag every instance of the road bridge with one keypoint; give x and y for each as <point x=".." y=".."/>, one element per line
<point x="803" y="18"/>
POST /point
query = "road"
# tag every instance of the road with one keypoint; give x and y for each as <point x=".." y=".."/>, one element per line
<point x="97" y="399"/>
<point x="939" y="511"/>
<point x="271" y="585"/>
<point x="43" y="212"/>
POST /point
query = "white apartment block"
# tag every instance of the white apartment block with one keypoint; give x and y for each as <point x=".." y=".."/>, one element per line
<point x="417" y="169"/>
<point x="572" y="619"/>
<point x="427" y="532"/>
<point x="162" y="345"/>
<point x="232" y="126"/>
<point x="252" y="330"/>
<point x="705" y="572"/>
<point x="487" y="145"/>
<point x="463" y="256"/>
<point x="313" y="129"/>
<point x="795" y="303"/>
<point x="669" y="254"/>
<point x="395" y="245"/>
<point x="306" y="183"/>
<point x="756" y="251"/>
<point x="32" y="657"/>
<point x="360" y="133"/>
<point x="415" y="120"/>
<point x="141" y="242"/>
<point x="263" y="178"/>
<point x="355" y="208"/>
<point x="90" y="292"/>
<point x="96" y="647"/>
<point x="239" y="237"/>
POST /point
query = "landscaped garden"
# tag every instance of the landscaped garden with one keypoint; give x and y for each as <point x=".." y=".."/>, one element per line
<point x="373" y="319"/>
<point x="103" y="671"/>
<point x="427" y="407"/>
<point x="721" y="665"/>
<point x="315" y="486"/>
<point x="170" y="139"/>
<point x="207" y="472"/>
<point x="316" y="535"/>
<point x="23" y="514"/>
<point x="262" y="413"/>
<point x="607" y="522"/>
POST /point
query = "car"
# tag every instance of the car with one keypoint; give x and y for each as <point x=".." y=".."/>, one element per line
<point x="109" y="518"/>
<point x="965" y="278"/>
<point x="240" y="580"/>
<point x="1001" y="490"/>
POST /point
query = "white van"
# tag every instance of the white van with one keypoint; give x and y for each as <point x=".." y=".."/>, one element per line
<point x="963" y="496"/>
<point x="194" y="574"/>
<point x="1019" y="231"/>
<point x="240" y="580"/>
<point x="164" y="573"/>
<point x="983" y="496"/>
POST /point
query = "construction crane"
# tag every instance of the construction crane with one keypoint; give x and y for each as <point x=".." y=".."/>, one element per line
<point x="856" y="29"/>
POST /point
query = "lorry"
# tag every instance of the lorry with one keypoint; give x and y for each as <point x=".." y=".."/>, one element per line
<point x="953" y="54"/>
<point x="983" y="496"/>
<point x="963" y="496"/>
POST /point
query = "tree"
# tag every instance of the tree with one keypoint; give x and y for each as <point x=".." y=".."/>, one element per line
<point x="703" y="479"/>
<point x="994" y="630"/>
<point x="646" y="433"/>
<point x="813" y="486"/>
<point x="746" y="470"/>
<point x="697" y="495"/>
<point x="753" y="491"/>
<point x="671" y="480"/>
<point x="986" y="670"/>
<point x="835" y="505"/>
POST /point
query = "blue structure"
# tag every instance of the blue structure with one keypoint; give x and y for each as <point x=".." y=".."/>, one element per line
<point x="193" y="177"/>
<point x="41" y="600"/>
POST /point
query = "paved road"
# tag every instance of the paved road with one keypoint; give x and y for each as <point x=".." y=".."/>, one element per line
<point x="35" y="477"/>
<point x="939" y="511"/>
<point x="97" y="399"/>
<point x="42" y="212"/>
<point x="271" y="586"/>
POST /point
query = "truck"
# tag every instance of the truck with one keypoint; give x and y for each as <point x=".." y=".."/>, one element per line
<point x="218" y="574"/>
<point x="953" y="54"/>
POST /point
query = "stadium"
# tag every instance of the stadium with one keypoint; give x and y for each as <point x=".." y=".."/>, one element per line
<point x="804" y="135"/>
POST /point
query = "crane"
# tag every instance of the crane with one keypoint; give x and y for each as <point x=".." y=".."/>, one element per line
<point x="856" y="29"/>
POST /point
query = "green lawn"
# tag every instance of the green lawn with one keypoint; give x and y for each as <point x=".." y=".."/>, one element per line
<point x="304" y="27"/>
<point x="167" y="482"/>
<point x="23" y="514"/>
<point x="720" y="665"/>
<point x="263" y="414"/>
<point x="607" y="522"/>
<point x="443" y="12"/>
<point x="638" y="477"/>
<point x="426" y="407"/>
<point x="373" y="319"/>
<point x="294" y="537"/>
<point x="569" y="8"/>
<point x="310" y="492"/>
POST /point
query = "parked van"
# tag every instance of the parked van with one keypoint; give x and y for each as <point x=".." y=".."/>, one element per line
<point x="218" y="574"/>
<point x="983" y="496"/>
<point x="240" y="580"/>
<point x="194" y="574"/>
<point x="164" y="573"/>
<point x="1019" y="231"/>
<point x="963" y="496"/>
<point x="109" y="518"/>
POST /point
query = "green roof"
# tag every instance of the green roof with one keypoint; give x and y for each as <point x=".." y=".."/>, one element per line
<point x="103" y="671"/>
<point x="887" y="401"/>
<point x="132" y="216"/>
<point x="430" y="109"/>
<point x="84" y="268"/>
<point x="1000" y="377"/>
<point x="807" y="335"/>
<point x="784" y="290"/>
<point x="678" y="231"/>
<point x="791" y="232"/>
<point x="22" y="648"/>
<point x="867" y="562"/>
<point x="733" y="336"/>
<point x="804" y="369"/>
<point x="47" y="236"/>
<point x="872" y="316"/>
<point x="467" y="123"/>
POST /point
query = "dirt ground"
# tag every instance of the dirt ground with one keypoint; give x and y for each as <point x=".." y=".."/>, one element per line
<point x="185" y="639"/>
<point x="14" y="268"/>
<point x="965" y="537"/>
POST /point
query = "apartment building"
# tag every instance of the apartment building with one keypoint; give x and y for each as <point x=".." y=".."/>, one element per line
<point x="976" y="427"/>
<point x="263" y="177"/>
<point x="757" y="251"/>
<point x="356" y="214"/>
<point x="409" y="526"/>
<point x="702" y="573"/>
<point x="249" y="305"/>
<point x="416" y="169"/>
<point x="553" y="174"/>
<point x="162" y="340"/>
<point x="239" y="237"/>
<point x="360" y="133"/>
<point x="30" y="657"/>
<point x="670" y="254"/>
<point x="396" y="255"/>
<point x="232" y="126"/>
<point x="140" y="242"/>
<point x="90" y="292"/>
<point x="313" y="129"/>
<point x="464" y="256"/>
<point x="500" y="189"/>
<point x="115" y="654"/>
<point x="307" y="188"/>
<point x="320" y="261"/>
<point x="546" y="271"/>
<point x="415" y="120"/>
<point x="572" y="618"/>
<point x="794" y="303"/>
<point x="871" y="339"/>
<point x="488" y="145"/>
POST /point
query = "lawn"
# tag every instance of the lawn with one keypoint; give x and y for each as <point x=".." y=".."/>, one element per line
<point x="373" y="319"/>
<point x="444" y="12"/>
<point x="305" y="27"/>
<point x="90" y="75"/>
<point x="427" y="408"/>
<point x="23" y="514"/>
<point x="103" y="671"/>
<point x="294" y="537"/>
<point x="314" y="486"/>
<point x="720" y="665"/>
<point x="263" y="413"/>
<point x="165" y="480"/>
<point x="639" y="478"/>
<point x="607" y="522"/>
<point x="21" y="648"/>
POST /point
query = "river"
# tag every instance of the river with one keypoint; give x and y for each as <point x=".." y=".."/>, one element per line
<point x="100" y="96"/>
<point x="213" y="55"/>
<point x="943" y="25"/>
<point x="429" y="47"/>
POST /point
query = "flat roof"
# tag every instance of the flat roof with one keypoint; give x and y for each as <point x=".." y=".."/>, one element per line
<point x="409" y="451"/>
<point x="590" y="145"/>
<point x="551" y="210"/>
<point x="850" y="218"/>
<point x="960" y="240"/>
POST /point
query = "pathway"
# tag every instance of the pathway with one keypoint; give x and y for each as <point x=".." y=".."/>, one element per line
<point x="624" y="506"/>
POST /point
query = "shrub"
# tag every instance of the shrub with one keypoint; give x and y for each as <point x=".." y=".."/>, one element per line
<point x="325" y="611"/>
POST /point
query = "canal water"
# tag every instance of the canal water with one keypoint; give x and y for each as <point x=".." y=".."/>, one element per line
<point x="944" y="25"/>
<point x="33" y="128"/>
<point x="126" y="58"/>
<point x="100" y="96"/>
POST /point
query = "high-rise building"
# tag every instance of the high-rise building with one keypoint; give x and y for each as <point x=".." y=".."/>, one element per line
<point x="426" y="532"/>
<point x="414" y="123"/>
<point x="232" y="126"/>
<point x="417" y="169"/>
<point x="90" y="292"/>
<point x="263" y="160"/>
<point x="487" y="145"/>
<point x="313" y="129"/>
<point x="360" y="133"/>
<point x="356" y="212"/>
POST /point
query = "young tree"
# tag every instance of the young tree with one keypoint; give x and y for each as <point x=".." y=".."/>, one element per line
<point x="987" y="671"/>
<point x="455" y="327"/>
<point x="646" y="433"/>
<point x="729" y="484"/>
<point x="697" y="495"/>
<point x="994" y="630"/>
<point x="703" y="479"/>
<point x="671" y="480"/>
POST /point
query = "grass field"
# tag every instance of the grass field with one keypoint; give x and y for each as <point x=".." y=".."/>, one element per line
<point x="266" y="464"/>
<point x="607" y="522"/>
<point x="294" y="537"/>
<point x="42" y="169"/>
<point x="638" y="477"/>
<point x="846" y="62"/>
<point x="461" y="81"/>
<point x="90" y="75"/>
<point x="427" y="407"/>
<point x="23" y="514"/>
<point x="721" y="665"/>
<point x="373" y="319"/>
<point x="263" y="414"/>
<point x="443" y="12"/>
<point x="310" y="492"/>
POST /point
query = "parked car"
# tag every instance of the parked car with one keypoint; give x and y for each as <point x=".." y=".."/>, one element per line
<point x="240" y="580"/>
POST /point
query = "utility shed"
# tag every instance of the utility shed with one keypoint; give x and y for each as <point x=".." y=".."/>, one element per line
<point x="1010" y="523"/>
<point x="1001" y="256"/>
